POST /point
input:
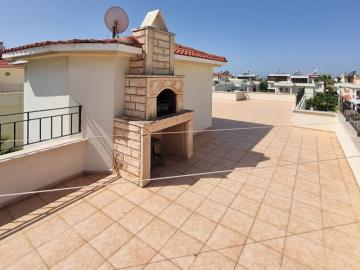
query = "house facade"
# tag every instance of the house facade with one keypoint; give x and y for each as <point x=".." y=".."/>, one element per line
<point x="117" y="79"/>
<point x="349" y="88"/>
<point x="284" y="83"/>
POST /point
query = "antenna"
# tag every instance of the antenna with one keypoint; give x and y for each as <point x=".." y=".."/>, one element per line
<point x="116" y="20"/>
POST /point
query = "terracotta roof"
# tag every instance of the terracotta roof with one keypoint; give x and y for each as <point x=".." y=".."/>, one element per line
<point x="7" y="64"/>
<point x="187" y="51"/>
<point x="130" y="40"/>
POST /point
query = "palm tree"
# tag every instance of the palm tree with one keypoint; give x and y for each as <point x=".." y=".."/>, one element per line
<point x="328" y="81"/>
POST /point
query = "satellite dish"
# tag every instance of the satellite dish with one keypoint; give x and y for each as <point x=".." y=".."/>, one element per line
<point x="116" y="20"/>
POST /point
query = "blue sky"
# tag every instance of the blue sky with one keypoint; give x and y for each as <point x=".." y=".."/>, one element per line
<point x="262" y="36"/>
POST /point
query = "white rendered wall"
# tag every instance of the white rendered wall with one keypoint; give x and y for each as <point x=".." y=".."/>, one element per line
<point x="46" y="86"/>
<point x="98" y="84"/>
<point x="197" y="91"/>
<point x="42" y="166"/>
<point x="16" y="75"/>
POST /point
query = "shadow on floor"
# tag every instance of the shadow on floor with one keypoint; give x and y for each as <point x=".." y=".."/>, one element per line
<point x="213" y="151"/>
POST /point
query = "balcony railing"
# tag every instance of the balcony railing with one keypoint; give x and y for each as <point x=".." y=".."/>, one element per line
<point x="26" y="128"/>
<point x="11" y="87"/>
<point x="351" y="114"/>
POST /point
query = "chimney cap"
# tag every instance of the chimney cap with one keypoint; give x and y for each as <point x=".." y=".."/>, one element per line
<point x="155" y="19"/>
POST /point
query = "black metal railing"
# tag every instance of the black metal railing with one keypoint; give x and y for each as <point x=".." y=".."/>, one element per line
<point x="25" y="128"/>
<point x="299" y="96"/>
<point x="351" y="113"/>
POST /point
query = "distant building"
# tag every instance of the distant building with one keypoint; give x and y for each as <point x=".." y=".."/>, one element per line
<point x="348" y="87"/>
<point x="284" y="83"/>
<point x="247" y="82"/>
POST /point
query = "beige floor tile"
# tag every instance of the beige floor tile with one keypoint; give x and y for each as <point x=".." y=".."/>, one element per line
<point x="138" y="195"/>
<point x="201" y="187"/>
<point x="31" y="261"/>
<point x="171" y="192"/>
<point x="184" y="262"/>
<point x="212" y="260"/>
<point x="46" y="231"/>
<point x="211" y="210"/>
<point x="277" y="201"/>
<point x="180" y="244"/>
<point x="252" y="192"/>
<point x="110" y="240"/>
<point x="155" y="204"/>
<point x="223" y="237"/>
<point x="198" y="227"/>
<point x="93" y="225"/>
<point x="134" y="253"/>
<point x="26" y="206"/>
<point x="273" y="216"/>
<point x="237" y="221"/>
<point x="290" y="264"/>
<point x="83" y="258"/>
<point x="305" y="251"/>
<point x="62" y="246"/>
<point x="118" y="208"/>
<point x="281" y="189"/>
<point x="175" y="215"/>
<point x="300" y="225"/>
<point x="246" y="205"/>
<point x="11" y="250"/>
<point x="162" y="265"/>
<point x="264" y="231"/>
<point x="103" y="198"/>
<point x="257" y="256"/>
<point x="135" y="220"/>
<point x="190" y="200"/>
<point x="122" y="187"/>
<point x="222" y="196"/>
<point x="156" y="233"/>
<point x="77" y="213"/>
<point x="335" y="261"/>
<point x="106" y="266"/>
<point x="232" y="184"/>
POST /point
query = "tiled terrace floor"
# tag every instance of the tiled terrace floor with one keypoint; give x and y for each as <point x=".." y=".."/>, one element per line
<point x="292" y="204"/>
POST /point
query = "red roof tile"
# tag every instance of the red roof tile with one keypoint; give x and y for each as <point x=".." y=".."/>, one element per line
<point x="187" y="51"/>
<point x="7" y="64"/>
<point x="130" y="40"/>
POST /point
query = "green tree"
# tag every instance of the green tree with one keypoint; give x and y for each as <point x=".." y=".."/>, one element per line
<point x="328" y="81"/>
<point x="263" y="85"/>
<point x="323" y="102"/>
<point x="3" y="141"/>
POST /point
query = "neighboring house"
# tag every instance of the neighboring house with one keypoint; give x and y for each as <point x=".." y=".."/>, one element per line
<point x="247" y="82"/>
<point x="283" y="83"/>
<point x="222" y="81"/>
<point x="117" y="78"/>
<point x="348" y="86"/>
<point x="11" y="96"/>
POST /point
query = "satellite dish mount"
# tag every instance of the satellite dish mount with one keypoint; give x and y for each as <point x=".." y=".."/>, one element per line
<point x="116" y="20"/>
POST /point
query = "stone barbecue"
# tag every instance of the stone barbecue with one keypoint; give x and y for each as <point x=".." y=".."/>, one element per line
<point x="153" y="107"/>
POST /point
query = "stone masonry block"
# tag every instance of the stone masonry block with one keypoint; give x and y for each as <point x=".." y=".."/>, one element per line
<point x="140" y="107"/>
<point x="138" y="82"/>
<point x="138" y="99"/>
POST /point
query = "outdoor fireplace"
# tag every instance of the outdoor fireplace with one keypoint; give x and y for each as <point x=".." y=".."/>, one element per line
<point x="166" y="103"/>
<point x="153" y="106"/>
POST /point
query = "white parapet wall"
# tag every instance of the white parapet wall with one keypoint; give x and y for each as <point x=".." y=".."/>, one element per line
<point x="334" y="122"/>
<point x="314" y="119"/>
<point x="237" y="95"/>
<point x="271" y="96"/>
<point x="40" y="166"/>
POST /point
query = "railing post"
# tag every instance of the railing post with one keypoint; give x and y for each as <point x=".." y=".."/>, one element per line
<point x="79" y="128"/>
<point x="28" y="128"/>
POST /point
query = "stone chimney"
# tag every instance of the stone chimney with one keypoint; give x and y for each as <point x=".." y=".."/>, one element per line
<point x="158" y="47"/>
